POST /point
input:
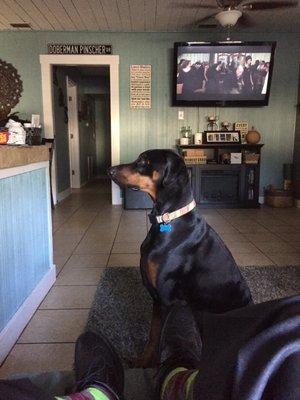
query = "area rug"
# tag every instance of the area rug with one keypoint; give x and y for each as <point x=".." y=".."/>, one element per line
<point x="122" y="307"/>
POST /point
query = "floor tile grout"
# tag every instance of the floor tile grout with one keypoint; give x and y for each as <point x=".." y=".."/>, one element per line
<point x="118" y="224"/>
<point x="32" y="343"/>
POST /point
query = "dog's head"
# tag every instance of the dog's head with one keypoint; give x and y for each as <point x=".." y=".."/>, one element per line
<point x="151" y="172"/>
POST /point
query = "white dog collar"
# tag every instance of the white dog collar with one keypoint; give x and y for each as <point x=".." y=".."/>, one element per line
<point x="168" y="217"/>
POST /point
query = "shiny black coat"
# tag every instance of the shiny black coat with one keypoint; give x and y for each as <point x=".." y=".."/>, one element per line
<point x="192" y="263"/>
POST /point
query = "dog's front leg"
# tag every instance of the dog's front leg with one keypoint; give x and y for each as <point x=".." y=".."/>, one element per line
<point x="149" y="356"/>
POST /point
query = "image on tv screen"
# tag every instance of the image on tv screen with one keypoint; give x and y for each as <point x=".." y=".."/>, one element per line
<point x="223" y="73"/>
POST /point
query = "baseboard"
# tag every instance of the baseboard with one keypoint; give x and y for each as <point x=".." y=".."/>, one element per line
<point x="10" y="334"/>
<point x="116" y="193"/>
<point x="63" y="195"/>
<point x="297" y="203"/>
<point x="261" y="199"/>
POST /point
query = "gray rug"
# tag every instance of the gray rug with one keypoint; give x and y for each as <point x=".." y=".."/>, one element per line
<point x="122" y="307"/>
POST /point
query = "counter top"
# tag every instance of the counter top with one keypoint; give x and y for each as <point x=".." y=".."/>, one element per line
<point x="15" y="156"/>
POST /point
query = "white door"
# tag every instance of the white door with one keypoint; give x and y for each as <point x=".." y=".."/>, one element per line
<point x="73" y="132"/>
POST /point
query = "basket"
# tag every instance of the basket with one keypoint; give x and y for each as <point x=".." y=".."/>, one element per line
<point x="251" y="158"/>
<point x="279" y="198"/>
<point x="33" y="136"/>
<point x="195" y="160"/>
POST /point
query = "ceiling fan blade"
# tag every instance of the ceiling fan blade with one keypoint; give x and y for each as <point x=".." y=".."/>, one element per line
<point x="269" y="5"/>
<point x="208" y="17"/>
<point x="245" y="21"/>
<point x="228" y="3"/>
<point x="195" y="26"/>
<point x="194" y="6"/>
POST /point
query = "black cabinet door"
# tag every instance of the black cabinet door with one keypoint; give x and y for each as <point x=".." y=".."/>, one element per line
<point x="251" y="185"/>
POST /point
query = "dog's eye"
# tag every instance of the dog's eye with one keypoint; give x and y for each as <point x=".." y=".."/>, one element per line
<point x="142" y="162"/>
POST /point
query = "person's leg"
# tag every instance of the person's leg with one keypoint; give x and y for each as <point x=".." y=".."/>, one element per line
<point x="140" y="384"/>
<point x="21" y="389"/>
<point x="54" y="383"/>
<point x="179" y="354"/>
<point x="99" y="373"/>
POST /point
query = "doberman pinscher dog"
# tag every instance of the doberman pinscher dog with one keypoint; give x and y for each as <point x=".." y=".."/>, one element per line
<point x="182" y="258"/>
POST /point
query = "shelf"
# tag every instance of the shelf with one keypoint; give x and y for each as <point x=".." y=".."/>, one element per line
<point x="221" y="166"/>
<point x="238" y="182"/>
<point x="224" y="145"/>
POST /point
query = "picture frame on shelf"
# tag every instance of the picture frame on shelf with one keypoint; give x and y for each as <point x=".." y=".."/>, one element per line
<point x="212" y="137"/>
<point x="243" y="128"/>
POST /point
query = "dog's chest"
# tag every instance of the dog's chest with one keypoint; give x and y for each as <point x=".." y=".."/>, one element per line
<point x="152" y="272"/>
<point x="149" y="266"/>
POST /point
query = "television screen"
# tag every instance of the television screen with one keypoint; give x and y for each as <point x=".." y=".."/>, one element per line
<point x="222" y="74"/>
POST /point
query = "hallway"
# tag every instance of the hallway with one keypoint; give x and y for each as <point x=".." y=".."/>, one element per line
<point x="89" y="235"/>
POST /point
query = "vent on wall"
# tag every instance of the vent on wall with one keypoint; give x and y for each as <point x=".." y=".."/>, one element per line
<point x="21" y="26"/>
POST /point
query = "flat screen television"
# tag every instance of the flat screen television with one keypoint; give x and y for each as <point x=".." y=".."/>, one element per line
<point x="222" y="73"/>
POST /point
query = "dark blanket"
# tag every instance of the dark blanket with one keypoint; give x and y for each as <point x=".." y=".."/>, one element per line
<point x="21" y="389"/>
<point x="122" y="307"/>
<point x="251" y="353"/>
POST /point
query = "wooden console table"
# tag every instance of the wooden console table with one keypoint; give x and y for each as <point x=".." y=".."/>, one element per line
<point x="225" y="185"/>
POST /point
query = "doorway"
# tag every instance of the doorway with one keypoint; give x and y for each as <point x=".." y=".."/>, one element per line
<point x="296" y="160"/>
<point x="103" y="140"/>
<point x="47" y="63"/>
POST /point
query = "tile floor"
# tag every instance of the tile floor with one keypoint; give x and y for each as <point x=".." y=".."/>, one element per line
<point x="89" y="234"/>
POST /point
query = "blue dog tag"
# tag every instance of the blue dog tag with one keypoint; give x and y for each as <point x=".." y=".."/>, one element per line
<point x="165" y="228"/>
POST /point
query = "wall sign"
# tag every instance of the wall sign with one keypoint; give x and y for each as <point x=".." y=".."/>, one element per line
<point x="140" y="86"/>
<point x="57" y="48"/>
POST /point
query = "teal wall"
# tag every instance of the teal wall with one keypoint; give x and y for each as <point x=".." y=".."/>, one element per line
<point x="25" y="254"/>
<point x="159" y="126"/>
<point x="96" y="84"/>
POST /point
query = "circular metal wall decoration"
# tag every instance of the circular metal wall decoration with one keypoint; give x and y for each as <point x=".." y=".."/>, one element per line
<point x="11" y="88"/>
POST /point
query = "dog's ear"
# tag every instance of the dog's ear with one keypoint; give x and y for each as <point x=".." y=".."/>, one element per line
<point x="175" y="171"/>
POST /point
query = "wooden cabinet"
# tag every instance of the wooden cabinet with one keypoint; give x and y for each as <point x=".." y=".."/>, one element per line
<point x="226" y="185"/>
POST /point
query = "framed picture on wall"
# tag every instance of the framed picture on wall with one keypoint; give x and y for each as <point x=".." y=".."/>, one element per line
<point x="221" y="137"/>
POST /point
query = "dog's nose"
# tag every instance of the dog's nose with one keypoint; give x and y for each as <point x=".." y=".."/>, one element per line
<point x="112" y="171"/>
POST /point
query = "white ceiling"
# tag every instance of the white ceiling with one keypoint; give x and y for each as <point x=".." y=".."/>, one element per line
<point x="129" y="15"/>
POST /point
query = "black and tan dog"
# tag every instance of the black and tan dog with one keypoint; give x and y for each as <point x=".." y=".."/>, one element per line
<point x="182" y="258"/>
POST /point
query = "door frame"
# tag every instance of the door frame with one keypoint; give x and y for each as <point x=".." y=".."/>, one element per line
<point x="73" y="134"/>
<point x="47" y="62"/>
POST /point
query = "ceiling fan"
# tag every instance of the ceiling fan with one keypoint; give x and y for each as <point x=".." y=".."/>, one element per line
<point x="230" y="12"/>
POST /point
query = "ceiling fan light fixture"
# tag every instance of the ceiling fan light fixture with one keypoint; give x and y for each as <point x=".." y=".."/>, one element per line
<point x="228" y="17"/>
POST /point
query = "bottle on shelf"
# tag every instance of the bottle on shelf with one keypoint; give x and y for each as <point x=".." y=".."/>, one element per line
<point x="186" y="135"/>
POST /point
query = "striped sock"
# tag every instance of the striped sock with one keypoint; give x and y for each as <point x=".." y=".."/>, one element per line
<point x="91" y="393"/>
<point x="178" y="384"/>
